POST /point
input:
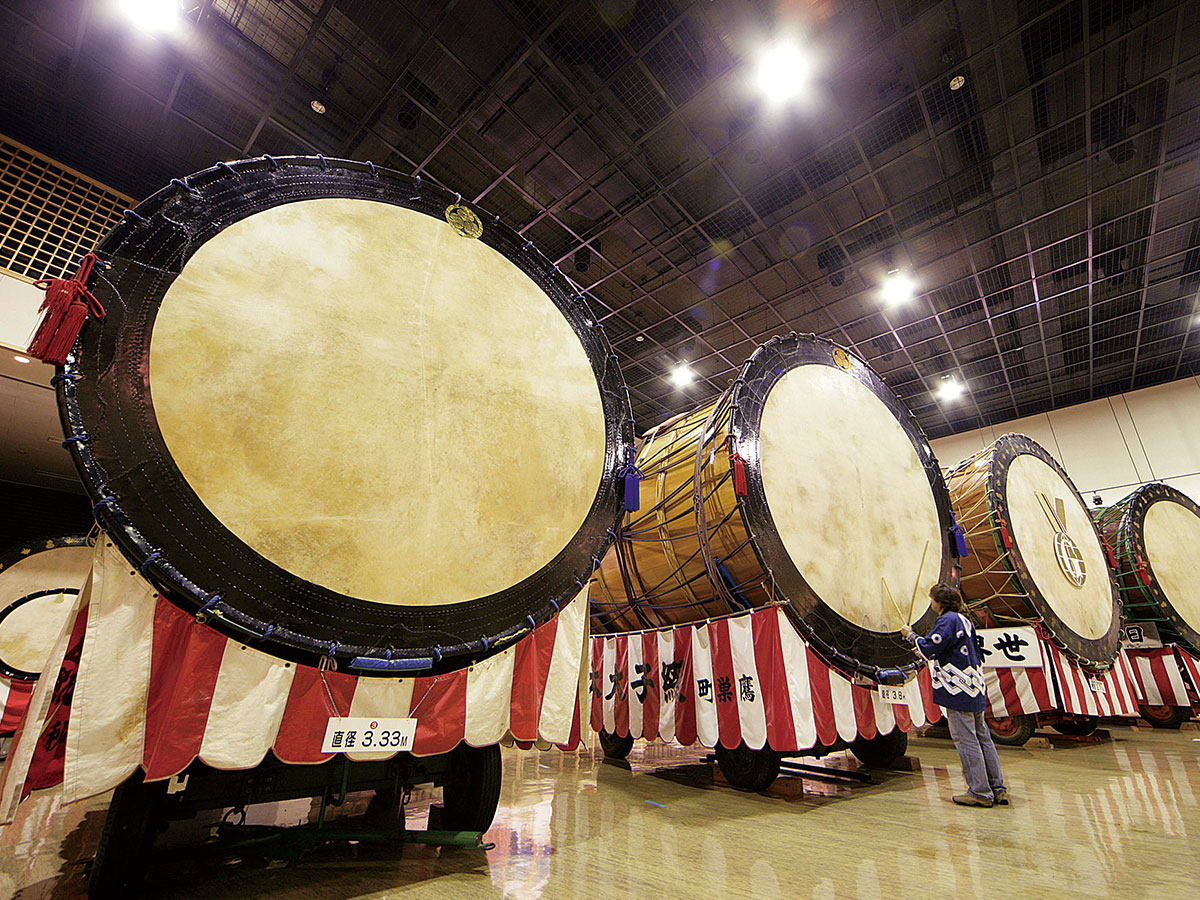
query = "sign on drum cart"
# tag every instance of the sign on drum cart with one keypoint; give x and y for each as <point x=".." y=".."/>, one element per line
<point x="1009" y="648"/>
<point x="894" y="693"/>
<point x="365" y="733"/>
<point x="1141" y="636"/>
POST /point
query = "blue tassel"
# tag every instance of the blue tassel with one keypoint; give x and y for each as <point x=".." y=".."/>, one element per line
<point x="633" y="486"/>
<point x="960" y="540"/>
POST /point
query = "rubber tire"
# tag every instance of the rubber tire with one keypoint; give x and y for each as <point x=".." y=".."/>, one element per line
<point x="471" y="793"/>
<point x="126" y="840"/>
<point x="615" y="746"/>
<point x="882" y="750"/>
<point x="1078" y="727"/>
<point x="1171" y="717"/>
<point x="1022" y="729"/>
<point x="748" y="770"/>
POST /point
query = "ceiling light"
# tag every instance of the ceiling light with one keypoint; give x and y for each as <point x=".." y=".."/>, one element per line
<point x="957" y="82"/>
<point x="897" y="288"/>
<point x="783" y="71"/>
<point x="682" y="375"/>
<point x="640" y="338"/>
<point x="23" y="359"/>
<point x="950" y="389"/>
<point x="318" y="107"/>
<point x="153" y="16"/>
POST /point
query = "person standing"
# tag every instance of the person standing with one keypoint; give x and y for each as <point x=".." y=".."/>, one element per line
<point x="956" y="667"/>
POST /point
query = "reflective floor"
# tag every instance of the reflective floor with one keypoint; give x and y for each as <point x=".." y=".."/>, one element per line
<point x="1118" y="819"/>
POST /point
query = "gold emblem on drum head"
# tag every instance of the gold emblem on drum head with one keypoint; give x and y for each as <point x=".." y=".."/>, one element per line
<point x="1066" y="551"/>
<point x="464" y="221"/>
<point x="841" y="359"/>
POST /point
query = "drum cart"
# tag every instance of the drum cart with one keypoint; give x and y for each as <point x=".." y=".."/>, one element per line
<point x="470" y="779"/>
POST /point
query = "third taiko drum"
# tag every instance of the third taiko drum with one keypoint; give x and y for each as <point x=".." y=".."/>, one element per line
<point x="1154" y="534"/>
<point x="1035" y="554"/>
<point x="807" y="484"/>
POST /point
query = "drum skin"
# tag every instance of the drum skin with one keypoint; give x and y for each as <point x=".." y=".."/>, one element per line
<point x="339" y="413"/>
<point x="803" y="535"/>
<point x="38" y="585"/>
<point x="1012" y="574"/>
<point x="1154" y="536"/>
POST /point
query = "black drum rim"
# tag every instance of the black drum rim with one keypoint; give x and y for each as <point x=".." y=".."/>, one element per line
<point x="11" y="557"/>
<point x="152" y="244"/>
<point x="828" y="632"/>
<point x="1092" y="653"/>
<point x="1131" y="537"/>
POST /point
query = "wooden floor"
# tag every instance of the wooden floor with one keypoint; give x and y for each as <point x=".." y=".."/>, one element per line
<point x="1113" y="820"/>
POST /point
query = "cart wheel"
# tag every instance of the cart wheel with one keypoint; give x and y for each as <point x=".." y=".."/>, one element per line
<point x="882" y="750"/>
<point x="615" y="746"/>
<point x="1165" y="716"/>
<point x="1080" y="727"/>
<point x="1013" y="731"/>
<point x="748" y="770"/>
<point x="119" y="867"/>
<point x="471" y="792"/>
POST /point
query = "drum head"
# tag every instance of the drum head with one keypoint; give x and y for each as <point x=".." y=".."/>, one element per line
<point x="361" y="418"/>
<point x="38" y="586"/>
<point x="843" y="496"/>
<point x="1164" y="526"/>
<point x="1057" y="550"/>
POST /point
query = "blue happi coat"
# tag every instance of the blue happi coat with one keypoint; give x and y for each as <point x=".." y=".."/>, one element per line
<point x="955" y="663"/>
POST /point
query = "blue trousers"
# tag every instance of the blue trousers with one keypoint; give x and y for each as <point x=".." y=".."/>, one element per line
<point x="980" y="762"/>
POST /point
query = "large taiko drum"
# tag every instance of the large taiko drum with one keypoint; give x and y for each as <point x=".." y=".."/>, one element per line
<point x="806" y="484"/>
<point x="1154" y="534"/>
<point x="39" y="582"/>
<point x="343" y="413"/>
<point x="1035" y="554"/>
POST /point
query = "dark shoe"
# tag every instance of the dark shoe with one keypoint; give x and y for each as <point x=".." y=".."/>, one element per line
<point x="1000" y="797"/>
<point x="971" y="800"/>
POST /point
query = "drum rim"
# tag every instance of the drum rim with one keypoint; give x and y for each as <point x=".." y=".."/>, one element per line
<point x="1131" y="531"/>
<point x="440" y="637"/>
<point x="820" y="625"/>
<point x="11" y="557"/>
<point x="1096" y="653"/>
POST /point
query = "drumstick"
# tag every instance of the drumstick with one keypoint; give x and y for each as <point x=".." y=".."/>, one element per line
<point x="895" y="605"/>
<point x="917" y="586"/>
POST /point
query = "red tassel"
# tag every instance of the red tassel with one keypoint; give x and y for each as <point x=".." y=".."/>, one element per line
<point x="67" y="305"/>
<point x="1143" y="575"/>
<point x="739" y="473"/>
<point x="1109" y="555"/>
<point x="1005" y="537"/>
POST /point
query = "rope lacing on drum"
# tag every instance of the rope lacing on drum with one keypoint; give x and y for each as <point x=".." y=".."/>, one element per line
<point x="184" y="186"/>
<point x="82" y="438"/>
<point x="130" y="214"/>
<point x="202" y="612"/>
<point x="274" y="162"/>
<point x="101" y="503"/>
<point x="324" y="162"/>
<point x="149" y="561"/>
<point x="227" y="167"/>
<point x="56" y="380"/>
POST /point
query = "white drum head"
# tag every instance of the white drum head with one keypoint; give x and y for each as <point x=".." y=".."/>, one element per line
<point x="1058" y="544"/>
<point x="848" y="495"/>
<point x="1172" y="535"/>
<point x="291" y="327"/>
<point x="28" y="631"/>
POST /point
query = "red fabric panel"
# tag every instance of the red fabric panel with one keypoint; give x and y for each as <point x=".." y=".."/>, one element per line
<point x="685" y="700"/>
<point x="729" y="726"/>
<point x="772" y="679"/>
<point x="1041" y="689"/>
<point x="15" y="705"/>
<point x="573" y="740"/>
<point x="1159" y="670"/>
<point x="46" y="767"/>
<point x="439" y="704"/>
<point x="596" y="684"/>
<point x="1191" y="666"/>
<point x="822" y="698"/>
<point x="307" y="713"/>
<point x="1008" y="689"/>
<point x="530" y="669"/>
<point x="901" y="712"/>
<point x="864" y="711"/>
<point x="653" y="676"/>
<point x="184" y="661"/>
<point x="620" y="686"/>
<point x="933" y="712"/>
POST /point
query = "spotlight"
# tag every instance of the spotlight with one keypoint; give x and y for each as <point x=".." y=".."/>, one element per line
<point x="682" y="375"/>
<point x="640" y="338"/>
<point x="950" y="389"/>
<point x="24" y="360"/>
<point x="1096" y="501"/>
<point x="957" y="82"/>
<point x="897" y="288"/>
<point x="583" y="259"/>
<point x="783" y="71"/>
<point x="153" y="16"/>
<point x="318" y="107"/>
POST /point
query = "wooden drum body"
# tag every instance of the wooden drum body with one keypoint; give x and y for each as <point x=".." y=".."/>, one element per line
<point x="38" y="586"/>
<point x="343" y="414"/>
<point x="806" y="484"/>
<point x="1035" y="554"/>
<point x="1154" y="535"/>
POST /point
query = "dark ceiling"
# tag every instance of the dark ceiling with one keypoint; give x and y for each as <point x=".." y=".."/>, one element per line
<point x="1048" y="209"/>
